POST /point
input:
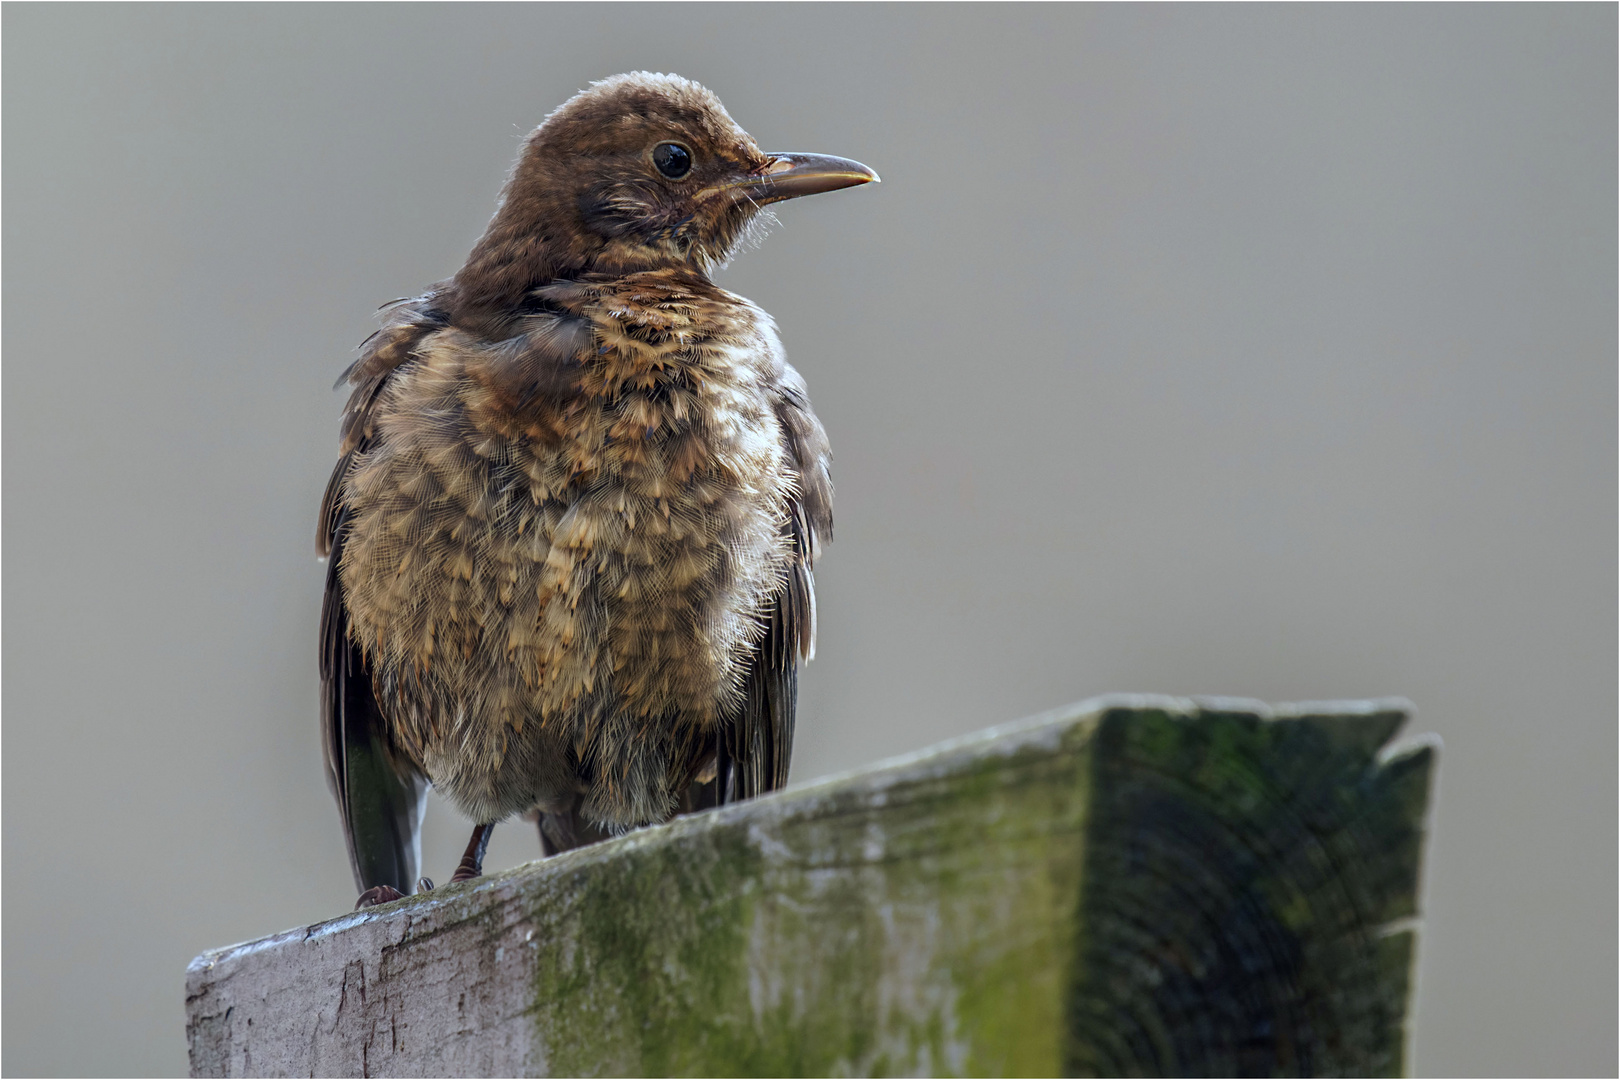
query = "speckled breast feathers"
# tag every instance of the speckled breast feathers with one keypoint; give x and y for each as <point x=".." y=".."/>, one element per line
<point x="564" y="545"/>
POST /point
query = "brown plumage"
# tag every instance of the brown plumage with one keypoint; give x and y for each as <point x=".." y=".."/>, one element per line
<point x="580" y="492"/>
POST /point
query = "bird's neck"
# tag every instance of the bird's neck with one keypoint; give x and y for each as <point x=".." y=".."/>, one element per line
<point x="506" y="265"/>
<point x="504" y="269"/>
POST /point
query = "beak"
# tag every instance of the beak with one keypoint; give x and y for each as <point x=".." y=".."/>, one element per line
<point x="790" y="175"/>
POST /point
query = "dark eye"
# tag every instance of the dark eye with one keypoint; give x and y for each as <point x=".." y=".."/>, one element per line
<point x="672" y="159"/>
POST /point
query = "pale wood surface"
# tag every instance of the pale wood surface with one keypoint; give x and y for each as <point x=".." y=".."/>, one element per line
<point x="1131" y="886"/>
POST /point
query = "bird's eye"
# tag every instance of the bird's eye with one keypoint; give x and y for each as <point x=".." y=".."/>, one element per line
<point x="672" y="159"/>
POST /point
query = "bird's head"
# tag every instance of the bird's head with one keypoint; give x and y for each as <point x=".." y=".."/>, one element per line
<point x="639" y="172"/>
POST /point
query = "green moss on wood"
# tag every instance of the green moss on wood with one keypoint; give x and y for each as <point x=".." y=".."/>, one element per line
<point x="924" y="932"/>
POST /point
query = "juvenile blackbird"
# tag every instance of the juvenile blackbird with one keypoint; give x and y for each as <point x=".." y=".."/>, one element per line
<point x="571" y="530"/>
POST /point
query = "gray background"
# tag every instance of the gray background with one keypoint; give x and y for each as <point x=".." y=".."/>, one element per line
<point x="1262" y="351"/>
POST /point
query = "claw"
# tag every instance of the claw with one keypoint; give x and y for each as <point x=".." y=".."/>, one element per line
<point x="378" y="894"/>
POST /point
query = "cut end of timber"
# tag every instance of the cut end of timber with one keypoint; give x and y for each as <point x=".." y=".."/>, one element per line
<point x="1136" y="885"/>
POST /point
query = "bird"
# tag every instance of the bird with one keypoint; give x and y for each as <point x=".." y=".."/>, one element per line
<point x="571" y="531"/>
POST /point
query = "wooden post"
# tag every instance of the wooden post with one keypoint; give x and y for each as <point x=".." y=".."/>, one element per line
<point x="1136" y="886"/>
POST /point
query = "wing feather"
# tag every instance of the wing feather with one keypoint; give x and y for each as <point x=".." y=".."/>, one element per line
<point x="754" y="755"/>
<point x="380" y="795"/>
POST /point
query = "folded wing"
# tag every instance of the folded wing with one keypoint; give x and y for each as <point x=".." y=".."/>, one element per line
<point x="380" y="793"/>
<point x="755" y="756"/>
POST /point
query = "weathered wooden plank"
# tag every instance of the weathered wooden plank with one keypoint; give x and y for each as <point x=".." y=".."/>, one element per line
<point x="1133" y="886"/>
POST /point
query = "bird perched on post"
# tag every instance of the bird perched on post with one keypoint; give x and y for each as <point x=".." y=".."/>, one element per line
<point x="580" y="491"/>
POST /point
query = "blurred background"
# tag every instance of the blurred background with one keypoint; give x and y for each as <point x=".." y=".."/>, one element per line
<point x="1266" y="351"/>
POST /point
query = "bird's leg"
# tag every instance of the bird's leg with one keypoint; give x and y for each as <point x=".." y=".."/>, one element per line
<point x="472" y="860"/>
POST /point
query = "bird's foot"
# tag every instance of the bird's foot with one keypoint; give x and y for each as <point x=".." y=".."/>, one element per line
<point x="424" y="884"/>
<point x="378" y="894"/>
